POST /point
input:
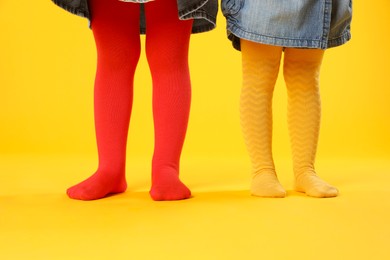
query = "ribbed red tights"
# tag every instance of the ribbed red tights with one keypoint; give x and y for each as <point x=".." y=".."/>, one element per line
<point x="115" y="26"/>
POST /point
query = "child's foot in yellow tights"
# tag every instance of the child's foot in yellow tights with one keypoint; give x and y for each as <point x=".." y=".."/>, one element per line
<point x="266" y="184"/>
<point x="309" y="183"/>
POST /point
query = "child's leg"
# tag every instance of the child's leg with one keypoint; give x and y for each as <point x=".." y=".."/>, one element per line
<point x="301" y="72"/>
<point x="167" y="40"/>
<point x="260" y="65"/>
<point x="115" y="27"/>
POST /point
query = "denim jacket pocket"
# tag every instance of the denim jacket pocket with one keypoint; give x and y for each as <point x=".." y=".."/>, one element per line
<point x="231" y="7"/>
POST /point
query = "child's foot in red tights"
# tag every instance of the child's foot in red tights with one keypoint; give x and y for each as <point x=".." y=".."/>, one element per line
<point x="166" y="185"/>
<point x="99" y="185"/>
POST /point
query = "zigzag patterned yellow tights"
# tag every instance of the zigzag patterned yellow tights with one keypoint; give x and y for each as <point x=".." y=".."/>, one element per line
<point x="301" y="72"/>
<point x="260" y="65"/>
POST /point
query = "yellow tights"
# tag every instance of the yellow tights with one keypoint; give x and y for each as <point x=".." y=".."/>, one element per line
<point x="260" y="65"/>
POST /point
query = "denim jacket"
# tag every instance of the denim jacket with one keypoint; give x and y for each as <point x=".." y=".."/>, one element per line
<point x="204" y="12"/>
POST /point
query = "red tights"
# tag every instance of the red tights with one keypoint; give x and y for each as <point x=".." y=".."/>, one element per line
<point x="115" y="26"/>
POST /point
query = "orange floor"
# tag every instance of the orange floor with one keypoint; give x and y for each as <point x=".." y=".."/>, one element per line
<point x="221" y="221"/>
